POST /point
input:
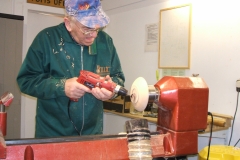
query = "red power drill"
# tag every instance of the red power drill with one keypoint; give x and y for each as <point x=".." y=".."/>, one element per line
<point x="91" y="80"/>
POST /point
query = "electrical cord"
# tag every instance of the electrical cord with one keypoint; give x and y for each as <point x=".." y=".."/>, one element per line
<point x="237" y="142"/>
<point x="210" y="138"/>
<point x="71" y="118"/>
<point x="234" y="119"/>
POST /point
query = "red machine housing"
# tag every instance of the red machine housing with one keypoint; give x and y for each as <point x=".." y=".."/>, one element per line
<point x="182" y="112"/>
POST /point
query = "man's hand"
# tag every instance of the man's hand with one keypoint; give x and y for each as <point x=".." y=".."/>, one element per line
<point x="75" y="90"/>
<point x="102" y="93"/>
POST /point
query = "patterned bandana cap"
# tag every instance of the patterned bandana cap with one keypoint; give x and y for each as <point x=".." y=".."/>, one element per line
<point x="88" y="12"/>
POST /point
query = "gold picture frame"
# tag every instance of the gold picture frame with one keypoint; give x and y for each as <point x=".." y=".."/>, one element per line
<point x="175" y="37"/>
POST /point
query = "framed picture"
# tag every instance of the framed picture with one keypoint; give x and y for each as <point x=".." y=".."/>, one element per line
<point x="175" y="37"/>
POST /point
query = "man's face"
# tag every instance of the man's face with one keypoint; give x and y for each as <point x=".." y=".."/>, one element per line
<point x="82" y="34"/>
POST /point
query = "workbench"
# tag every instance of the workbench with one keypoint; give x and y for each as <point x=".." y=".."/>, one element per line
<point x="220" y="121"/>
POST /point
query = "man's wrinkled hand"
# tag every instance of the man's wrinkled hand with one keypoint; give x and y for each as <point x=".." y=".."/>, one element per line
<point x="102" y="93"/>
<point x="74" y="89"/>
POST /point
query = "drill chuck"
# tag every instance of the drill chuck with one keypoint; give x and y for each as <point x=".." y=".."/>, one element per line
<point x="120" y="90"/>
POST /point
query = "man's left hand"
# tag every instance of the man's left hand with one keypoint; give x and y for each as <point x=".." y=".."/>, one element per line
<point x="102" y="93"/>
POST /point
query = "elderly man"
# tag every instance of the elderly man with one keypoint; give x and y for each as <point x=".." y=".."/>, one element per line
<point x="52" y="65"/>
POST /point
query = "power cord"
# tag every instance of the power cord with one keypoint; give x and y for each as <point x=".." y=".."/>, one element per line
<point x="210" y="138"/>
<point x="234" y="116"/>
<point x="237" y="142"/>
<point x="71" y="118"/>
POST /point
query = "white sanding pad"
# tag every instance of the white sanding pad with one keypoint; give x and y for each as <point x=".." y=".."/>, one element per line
<point x="139" y="94"/>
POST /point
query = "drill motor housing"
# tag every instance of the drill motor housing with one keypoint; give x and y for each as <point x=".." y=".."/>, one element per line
<point x="91" y="80"/>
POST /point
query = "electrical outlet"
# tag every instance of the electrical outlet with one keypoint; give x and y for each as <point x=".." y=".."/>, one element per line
<point x="238" y="85"/>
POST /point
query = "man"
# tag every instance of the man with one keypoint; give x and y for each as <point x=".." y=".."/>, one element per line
<point x="52" y="65"/>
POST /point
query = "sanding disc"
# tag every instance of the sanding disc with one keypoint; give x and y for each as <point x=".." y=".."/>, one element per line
<point x="139" y="94"/>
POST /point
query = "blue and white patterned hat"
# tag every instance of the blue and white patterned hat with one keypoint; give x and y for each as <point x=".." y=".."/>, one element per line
<point x="88" y="12"/>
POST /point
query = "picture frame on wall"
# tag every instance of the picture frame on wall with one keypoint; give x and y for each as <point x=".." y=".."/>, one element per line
<point x="175" y="37"/>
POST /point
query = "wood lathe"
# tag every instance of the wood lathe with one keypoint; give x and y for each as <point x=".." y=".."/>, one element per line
<point x="182" y="111"/>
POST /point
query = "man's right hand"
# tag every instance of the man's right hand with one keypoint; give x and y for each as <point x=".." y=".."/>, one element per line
<point x="75" y="90"/>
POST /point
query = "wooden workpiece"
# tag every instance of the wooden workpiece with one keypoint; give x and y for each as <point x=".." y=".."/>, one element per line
<point x="220" y="122"/>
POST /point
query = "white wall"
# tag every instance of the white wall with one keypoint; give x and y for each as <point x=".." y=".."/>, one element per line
<point x="214" y="47"/>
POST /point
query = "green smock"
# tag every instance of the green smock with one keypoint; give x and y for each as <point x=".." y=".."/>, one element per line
<point x="54" y="57"/>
